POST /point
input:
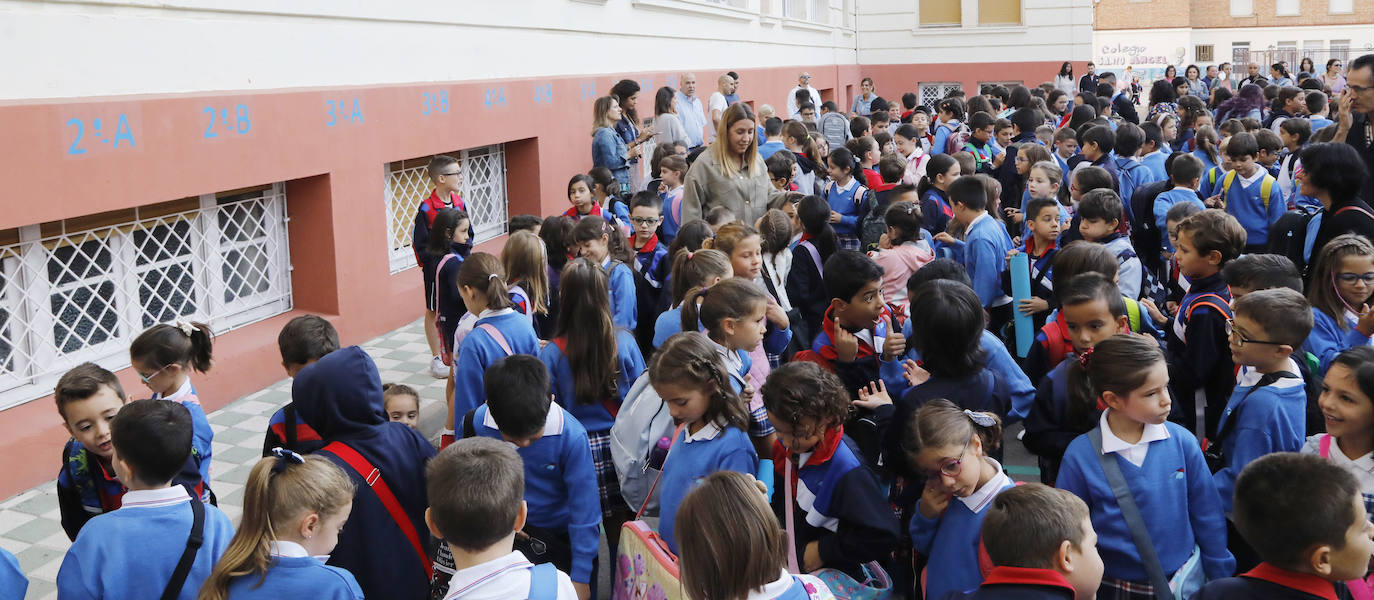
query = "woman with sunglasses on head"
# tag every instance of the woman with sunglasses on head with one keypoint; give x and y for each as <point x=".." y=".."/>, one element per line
<point x="1332" y="78"/>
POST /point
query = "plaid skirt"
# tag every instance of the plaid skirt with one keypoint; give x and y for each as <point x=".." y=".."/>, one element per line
<point x="849" y="242"/>
<point x="759" y="426"/>
<point x="1120" y="589"/>
<point x="606" y="480"/>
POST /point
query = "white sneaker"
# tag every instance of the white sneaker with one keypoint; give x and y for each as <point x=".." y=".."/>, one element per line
<point x="437" y="368"/>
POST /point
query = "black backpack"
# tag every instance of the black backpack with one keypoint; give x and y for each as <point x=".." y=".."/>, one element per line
<point x="1288" y="236"/>
<point x="1146" y="237"/>
<point x="874" y="223"/>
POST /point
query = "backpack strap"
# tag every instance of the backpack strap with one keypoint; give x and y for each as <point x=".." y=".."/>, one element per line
<point x="1266" y="187"/>
<point x="1324" y="446"/>
<point x="1226" y="182"/>
<point x="497" y="337"/>
<point x="543" y="582"/>
<point x="1355" y="208"/>
<point x="1221" y="305"/>
<point x="1054" y="341"/>
<point x="1130" y="513"/>
<point x="654" y="486"/>
<point x="815" y="255"/>
<point x="437" y="270"/>
<point x="1133" y="314"/>
<point x="188" y="556"/>
<point x="373" y="477"/>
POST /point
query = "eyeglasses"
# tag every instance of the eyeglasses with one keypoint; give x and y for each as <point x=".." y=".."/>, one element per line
<point x="1241" y="340"/>
<point x="451" y="174"/>
<point x="1358" y="89"/>
<point x="643" y="220"/>
<point x="149" y="377"/>
<point x="951" y="466"/>
<point x="1351" y="278"/>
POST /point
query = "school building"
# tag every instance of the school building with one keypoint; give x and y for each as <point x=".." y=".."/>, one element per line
<point x="1149" y="35"/>
<point x="242" y="162"/>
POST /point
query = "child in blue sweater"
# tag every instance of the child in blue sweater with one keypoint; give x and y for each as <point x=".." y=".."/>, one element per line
<point x="1042" y="546"/>
<point x="1340" y="289"/>
<point x="293" y="511"/>
<point x="1163" y="467"/>
<point x="479" y="524"/>
<point x="691" y="270"/>
<point x="688" y="373"/>
<point x="164" y="356"/>
<point x="1242" y="192"/>
<point x="950" y="446"/>
<point x="500" y="331"/>
<point x="1187" y="172"/>
<point x="985" y="245"/>
<point x="593" y="365"/>
<point x="563" y="509"/>
<point x="829" y="499"/>
<point x="88" y="397"/>
<point x="133" y="551"/>
<point x="1314" y="538"/>
<point x="848" y="199"/>
<point x="603" y="243"/>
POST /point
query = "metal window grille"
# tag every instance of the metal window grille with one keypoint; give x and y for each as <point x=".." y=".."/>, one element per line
<point x="484" y="194"/>
<point x="82" y="289"/>
<point x="930" y="93"/>
<point x="1203" y="52"/>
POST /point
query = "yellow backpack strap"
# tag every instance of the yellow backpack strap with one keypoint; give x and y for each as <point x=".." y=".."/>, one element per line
<point x="1266" y="186"/>
<point x="1133" y="313"/>
<point x="1226" y="183"/>
<point x="1212" y="176"/>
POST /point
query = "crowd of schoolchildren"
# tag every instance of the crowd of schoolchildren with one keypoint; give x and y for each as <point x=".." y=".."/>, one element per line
<point x="1183" y="337"/>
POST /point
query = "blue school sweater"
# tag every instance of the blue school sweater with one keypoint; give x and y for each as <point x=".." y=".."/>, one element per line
<point x="13" y="583"/>
<point x="950" y="540"/>
<point x="1000" y="362"/>
<point x="296" y="577"/>
<point x="1167" y="200"/>
<point x="594" y="416"/>
<point x="1328" y="339"/>
<point x="131" y="552"/>
<point x="560" y="483"/>
<point x="202" y="437"/>
<point x="1255" y="215"/>
<point x="668" y="323"/>
<point x="842" y="200"/>
<point x="1154" y="161"/>
<point x="480" y="350"/>
<point x="985" y="257"/>
<point x="1207" y="162"/>
<point x="1172" y="482"/>
<point x="622" y="288"/>
<point x="340" y="396"/>
<point x="1260" y="421"/>
<point x="936" y="210"/>
<point x="715" y="447"/>
<point x="775" y="339"/>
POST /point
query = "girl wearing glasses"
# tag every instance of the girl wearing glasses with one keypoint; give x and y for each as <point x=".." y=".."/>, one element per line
<point x="164" y="356"/>
<point x="1342" y="282"/>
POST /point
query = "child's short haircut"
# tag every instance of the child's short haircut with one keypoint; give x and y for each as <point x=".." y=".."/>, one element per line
<point x="1100" y="205"/>
<point x="858" y="125"/>
<point x="524" y="223"/>
<point x="909" y="100"/>
<point x="398" y="389"/>
<point x="647" y="198"/>
<point x="968" y="191"/>
<point x="1092" y="178"/>
<point x="1100" y="135"/>
<point x="1288" y="503"/>
<point x="720" y="215"/>
<point x="1082" y="257"/>
<point x="1231" y="127"/>
<point x="1027" y="120"/>
<point x="439" y="164"/>
<point x="1064" y="134"/>
<point x="892" y="167"/>
<point x="908" y="131"/>
<point x="980" y="120"/>
<point x="772" y="126"/>
<point x="1178" y="212"/>
<point x="780" y="165"/>
<point x="1026" y="525"/>
<point x="802" y="390"/>
<point x="154" y="438"/>
<point x="829" y="106"/>
<point x="1250" y="124"/>
<point x="306" y="339"/>
<point x="1269" y="141"/>
<point x="1301" y="128"/>
<point x="1213" y="229"/>
<point x="1316" y="101"/>
<point x="1284" y="314"/>
<point x="1091" y="287"/>
<point x="1153" y="134"/>
<point x="475" y="487"/>
<point x="1036" y="205"/>
<point x="846" y="272"/>
<point x="518" y="396"/>
<point x="82" y="382"/>
<point x="940" y="268"/>
<point x="1261" y="272"/>
<point x="1242" y="144"/>
<point x="967" y="165"/>
<point x="1185" y="170"/>
<point x="1129" y="139"/>
<point x="674" y="163"/>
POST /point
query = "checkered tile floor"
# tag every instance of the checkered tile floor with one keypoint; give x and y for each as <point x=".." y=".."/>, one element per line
<point x="29" y="522"/>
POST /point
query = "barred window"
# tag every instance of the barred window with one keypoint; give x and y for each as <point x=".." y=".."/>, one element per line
<point x="484" y="194"/>
<point x="930" y="93"/>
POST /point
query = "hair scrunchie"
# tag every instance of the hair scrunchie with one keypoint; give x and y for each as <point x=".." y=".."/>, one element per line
<point x="285" y="458"/>
<point x="980" y="419"/>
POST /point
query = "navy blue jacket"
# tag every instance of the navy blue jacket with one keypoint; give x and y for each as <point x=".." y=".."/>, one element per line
<point x="1018" y="583"/>
<point x="1272" y="583"/>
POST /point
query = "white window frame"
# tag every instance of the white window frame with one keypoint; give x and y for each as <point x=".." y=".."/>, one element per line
<point x="29" y="289"/>
<point x="1242" y="8"/>
<point x="1287" y="8"/>
<point x="1340" y="49"/>
<point x="487" y="201"/>
<point x="930" y="92"/>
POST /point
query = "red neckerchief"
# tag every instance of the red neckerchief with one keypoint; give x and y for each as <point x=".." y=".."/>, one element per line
<point x="823" y="451"/>
<point x="594" y="212"/>
<point x="1030" y="247"/>
<point x="805" y="237"/>
<point x="866" y="350"/>
<point x="884" y="187"/>
<point x="455" y="200"/>
<point x="649" y="245"/>
<point x="1293" y="580"/>
<point x="1026" y="576"/>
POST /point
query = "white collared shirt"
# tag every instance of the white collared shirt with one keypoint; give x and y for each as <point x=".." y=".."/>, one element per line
<point x="853" y="181"/>
<point x="183" y="391"/>
<point x="1259" y="173"/>
<point x="287" y="549"/>
<point x="168" y="496"/>
<point x="1249" y="376"/>
<point x="733" y="363"/>
<point x="976" y="220"/>
<point x="981" y="497"/>
<point x="505" y="577"/>
<point x="708" y="432"/>
<point x="1133" y="453"/>
<point x="553" y="422"/>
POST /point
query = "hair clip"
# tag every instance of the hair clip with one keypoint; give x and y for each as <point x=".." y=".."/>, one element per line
<point x="491" y="276"/>
<point x="285" y="457"/>
<point x="980" y="419"/>
<point x="690" y="254"/>
<point x="1085" y="359"/>
<point x="185" y="326"/>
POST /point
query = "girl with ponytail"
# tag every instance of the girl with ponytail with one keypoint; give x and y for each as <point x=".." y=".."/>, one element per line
<point x="164" y="356"/>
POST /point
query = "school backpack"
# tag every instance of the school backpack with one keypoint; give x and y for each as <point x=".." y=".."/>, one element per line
<point x="958" y="136"/>
<point x="1146" y="237"/>
<point x="1266" y="186"/>
<point x="874" y="223"/>
<point x="861" y="196"/>
<point x="834" y="127"/>
<point x="641" y="435"/>
<point x="1131" y="174"/>
<point x="1057" y="344"/>
<point x="1295" y="232"/>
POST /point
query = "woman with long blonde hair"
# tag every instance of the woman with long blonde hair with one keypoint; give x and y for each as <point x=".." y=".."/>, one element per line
<point x="730" y="172"/>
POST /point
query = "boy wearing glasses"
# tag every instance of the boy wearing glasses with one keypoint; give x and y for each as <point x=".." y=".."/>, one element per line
<point x="650" y="264"/>
<point x="1267" y="412"/>
<point x="447" y="175"/>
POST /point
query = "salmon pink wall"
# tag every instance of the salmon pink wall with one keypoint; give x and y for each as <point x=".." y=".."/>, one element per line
<point x="74" y="158"/>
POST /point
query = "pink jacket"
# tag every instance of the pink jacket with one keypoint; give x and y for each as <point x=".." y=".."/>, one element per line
<point x="898" y="263"/>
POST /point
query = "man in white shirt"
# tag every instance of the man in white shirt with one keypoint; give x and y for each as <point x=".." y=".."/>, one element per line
<point x="803" y="83"/>
<point x="689" y="109"/>
<point x="725" y="85"/>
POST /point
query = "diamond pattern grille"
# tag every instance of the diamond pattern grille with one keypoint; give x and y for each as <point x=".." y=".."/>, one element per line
<point x="484" y="193"/>
<point x="931" y="93"/>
